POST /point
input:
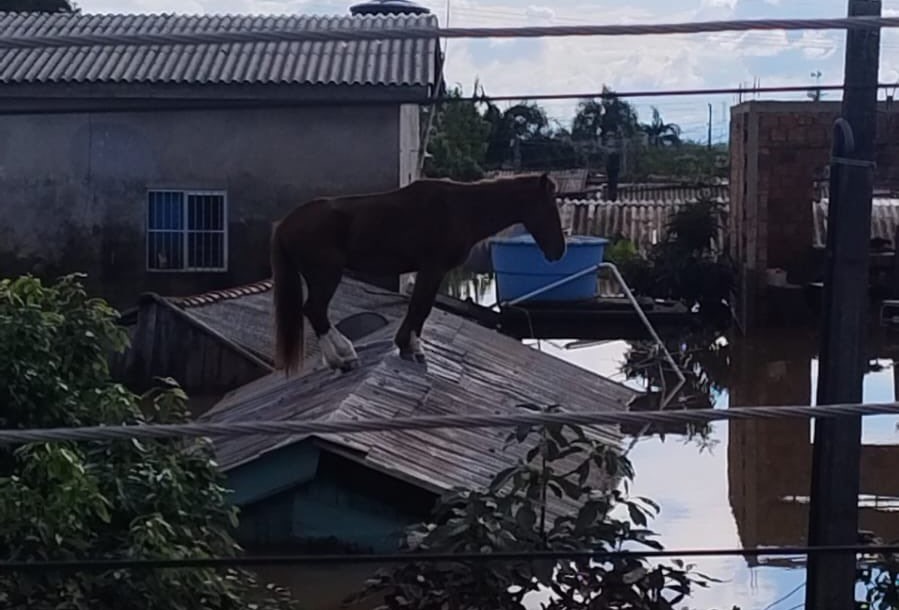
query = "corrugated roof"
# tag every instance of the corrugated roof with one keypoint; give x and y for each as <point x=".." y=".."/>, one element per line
<point x="244" y="314"/>
<point x="470" y="370"/>
<point x="644" y="224"/>
<point x="884" y="220"/>
<point x="385" y="62"/>
<point x="655" y="194"/>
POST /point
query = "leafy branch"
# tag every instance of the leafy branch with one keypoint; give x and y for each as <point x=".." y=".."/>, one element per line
<point x="563" y="496"/>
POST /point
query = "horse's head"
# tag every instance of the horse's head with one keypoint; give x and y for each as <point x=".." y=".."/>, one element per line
<point x="541" y="219"/>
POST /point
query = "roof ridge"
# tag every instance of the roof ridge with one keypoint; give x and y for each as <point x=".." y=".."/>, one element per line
<point x="225" y="294"/>
<point x="303" y="17"/>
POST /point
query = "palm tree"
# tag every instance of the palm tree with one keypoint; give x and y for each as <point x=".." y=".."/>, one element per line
<point x="659" y="133"/>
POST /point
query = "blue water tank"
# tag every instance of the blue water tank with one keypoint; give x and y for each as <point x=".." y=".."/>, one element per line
<point x="521" y="268"/>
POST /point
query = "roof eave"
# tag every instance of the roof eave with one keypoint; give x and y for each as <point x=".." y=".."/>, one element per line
<point x="18" y="98"/>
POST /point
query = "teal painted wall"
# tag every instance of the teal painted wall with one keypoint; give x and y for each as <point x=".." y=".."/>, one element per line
<point x="339" y="501"/>
<point x="273" y="473"/>
<point x="325" y="508"/>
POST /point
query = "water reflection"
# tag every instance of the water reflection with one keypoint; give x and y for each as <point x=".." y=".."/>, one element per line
<point x="747" y="484"/>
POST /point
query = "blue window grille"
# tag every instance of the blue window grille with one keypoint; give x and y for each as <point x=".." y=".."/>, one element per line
<point x="187" y="231"/>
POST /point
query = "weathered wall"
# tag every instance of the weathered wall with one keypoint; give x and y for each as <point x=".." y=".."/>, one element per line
<point x="74" y="185"/>
<point x="167" y="343"/>
<point x="778" y="150"/>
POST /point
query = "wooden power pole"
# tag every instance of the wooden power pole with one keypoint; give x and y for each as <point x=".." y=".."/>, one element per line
<point x="833" y="518"/>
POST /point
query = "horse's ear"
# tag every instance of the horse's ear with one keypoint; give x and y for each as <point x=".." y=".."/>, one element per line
<point x="547" y="183"/>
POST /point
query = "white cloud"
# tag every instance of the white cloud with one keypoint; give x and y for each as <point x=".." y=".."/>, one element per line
<point x="817" y="44"/>
<point x="754" y="43"/>
<point x="540" y="13"/>
<point x="720" y="3"/>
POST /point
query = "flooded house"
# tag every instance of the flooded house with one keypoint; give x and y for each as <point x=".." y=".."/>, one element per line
<point x="359" y="492"/>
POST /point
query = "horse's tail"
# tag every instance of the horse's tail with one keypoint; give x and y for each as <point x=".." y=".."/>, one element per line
<point x="288" y="300"/>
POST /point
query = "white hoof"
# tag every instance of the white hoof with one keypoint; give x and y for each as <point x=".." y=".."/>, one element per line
<point x="338" y="351"/>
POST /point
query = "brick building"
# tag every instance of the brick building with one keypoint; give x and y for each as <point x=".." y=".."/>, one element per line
<point x="779" y="150"/>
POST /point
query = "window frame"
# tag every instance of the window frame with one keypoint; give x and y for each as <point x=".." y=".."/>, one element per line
<point x="185" y="231"/>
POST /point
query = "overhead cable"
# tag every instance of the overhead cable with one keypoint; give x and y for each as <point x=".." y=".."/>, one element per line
<point x="400" y="32"/>
<point x="396" y="424"/>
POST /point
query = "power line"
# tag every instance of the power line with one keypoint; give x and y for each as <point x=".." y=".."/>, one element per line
<point x="80" y="105"/>
<point x="102" y="565"/>
<point x="356" y="34"/>
<point x="331" y="426"/>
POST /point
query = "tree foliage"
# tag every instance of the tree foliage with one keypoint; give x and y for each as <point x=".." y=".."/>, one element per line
<point x="458" y="145"/>
<point x="102" y="500"/>
<point x="660" y="134"/>
<point x="688" y="264"/>
<point x="514" y="515"/>
<point x="472" y="136"/>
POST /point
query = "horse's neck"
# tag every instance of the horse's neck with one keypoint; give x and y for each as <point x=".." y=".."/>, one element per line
<point x="496" y="212"/>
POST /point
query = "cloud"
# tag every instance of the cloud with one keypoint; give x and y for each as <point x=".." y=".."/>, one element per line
<point x="817" y="44"/>
<point x="540" y="13"/>
<point x="754" y="43"/>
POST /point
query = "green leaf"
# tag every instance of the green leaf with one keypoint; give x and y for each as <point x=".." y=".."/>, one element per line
<point x="526" y="517"/>
<point x="522" y="432"/>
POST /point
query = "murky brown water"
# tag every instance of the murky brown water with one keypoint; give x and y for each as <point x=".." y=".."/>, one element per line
<point x="746" y="485"/>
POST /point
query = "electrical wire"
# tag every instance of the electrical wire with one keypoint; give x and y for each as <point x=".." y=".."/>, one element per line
<point x="30" y="106"/>
<point x="358" y="34"/>
<point x="103" y="565"/>
<point x="396" y="424"/>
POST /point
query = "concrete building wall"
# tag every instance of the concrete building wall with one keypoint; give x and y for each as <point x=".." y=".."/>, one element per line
<point x="73" y="187"/>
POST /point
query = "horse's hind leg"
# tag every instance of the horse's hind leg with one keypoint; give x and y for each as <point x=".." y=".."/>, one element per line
<point x="337" y="351"/>
<point x="408" y="337"/>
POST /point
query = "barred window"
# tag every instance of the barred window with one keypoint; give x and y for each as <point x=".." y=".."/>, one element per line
<point x="187" y="231"/>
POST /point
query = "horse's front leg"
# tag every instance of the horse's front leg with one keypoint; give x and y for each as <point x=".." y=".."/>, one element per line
<point x="408" y="337"/>
<point x="337" y="351"/>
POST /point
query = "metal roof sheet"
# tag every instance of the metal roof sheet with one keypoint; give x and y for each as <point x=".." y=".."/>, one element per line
<point x="384" y="62"/>
<point x="884" y="219"/>
<point x="643" y="223"/>
<point x="244" y="314"/>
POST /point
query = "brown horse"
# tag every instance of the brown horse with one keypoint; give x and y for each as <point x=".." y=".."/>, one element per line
<point x="428" y="227"/>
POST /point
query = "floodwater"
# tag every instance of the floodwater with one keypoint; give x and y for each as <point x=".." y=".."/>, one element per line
<point x="740" y="484"/>
<point x="746" y="483"/>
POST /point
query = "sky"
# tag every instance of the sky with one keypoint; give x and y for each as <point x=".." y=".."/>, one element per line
<point x="632" y="63"/>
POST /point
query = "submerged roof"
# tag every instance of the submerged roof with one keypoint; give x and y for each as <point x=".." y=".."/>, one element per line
<point x="244" y="314"/>
<point x="384" y="62"/>
<point x="470" y="370"/>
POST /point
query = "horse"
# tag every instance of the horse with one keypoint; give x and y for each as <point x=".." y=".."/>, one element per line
<point x="428" y="227"/>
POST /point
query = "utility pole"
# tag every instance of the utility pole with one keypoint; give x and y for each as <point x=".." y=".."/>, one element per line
<point x="833" y="512"/>
<point x="710" y="125"/>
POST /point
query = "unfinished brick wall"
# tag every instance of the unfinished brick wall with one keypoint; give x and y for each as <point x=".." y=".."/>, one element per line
<point x="777" y="151"/>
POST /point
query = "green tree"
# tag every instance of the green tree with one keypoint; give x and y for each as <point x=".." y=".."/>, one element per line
<point x="458" y="143"/>
<point x="660" y="134"/>
<point x="599" y="125"/>
<point x="562" y="466"/>
<point x="102" y="500"/>
<point x="604" y="119"/>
